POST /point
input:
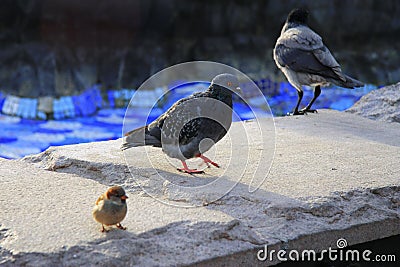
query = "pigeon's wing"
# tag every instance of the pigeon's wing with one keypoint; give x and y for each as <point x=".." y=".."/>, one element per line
<point x="153" y="133"/>
<point x="302" y="50"/>
<point x="160" y="120"/>
<point x="181" y="121"/>
<point x="189" y="131"/>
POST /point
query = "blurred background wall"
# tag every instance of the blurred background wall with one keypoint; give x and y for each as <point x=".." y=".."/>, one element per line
<point x="60" y="47"/>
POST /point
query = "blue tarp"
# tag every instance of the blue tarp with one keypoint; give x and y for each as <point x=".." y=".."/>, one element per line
<point x="2" y="99"/>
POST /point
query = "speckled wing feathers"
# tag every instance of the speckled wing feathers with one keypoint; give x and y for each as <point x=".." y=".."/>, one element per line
<point x="180" y="116"/>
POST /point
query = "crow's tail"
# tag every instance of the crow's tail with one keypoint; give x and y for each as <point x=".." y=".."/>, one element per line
<point x="350" y="83"/>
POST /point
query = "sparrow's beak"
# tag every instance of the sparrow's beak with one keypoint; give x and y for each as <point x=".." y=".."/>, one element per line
<point x="124" y="197"/>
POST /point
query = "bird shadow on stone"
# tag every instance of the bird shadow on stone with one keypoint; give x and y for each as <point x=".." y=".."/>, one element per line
<point x="221" y="193"/>
<point x="241" y="202"/>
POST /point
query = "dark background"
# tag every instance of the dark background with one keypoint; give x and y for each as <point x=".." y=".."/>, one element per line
<point x="60" y="47"/>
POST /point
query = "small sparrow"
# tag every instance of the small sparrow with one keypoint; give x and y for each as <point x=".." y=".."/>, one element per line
<point x="110" y="208"/>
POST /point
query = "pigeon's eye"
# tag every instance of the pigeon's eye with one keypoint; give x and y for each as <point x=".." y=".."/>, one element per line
<point x="229" y="84"/>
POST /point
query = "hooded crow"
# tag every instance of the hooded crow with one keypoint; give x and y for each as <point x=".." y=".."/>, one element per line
<point x="304" y="59"/>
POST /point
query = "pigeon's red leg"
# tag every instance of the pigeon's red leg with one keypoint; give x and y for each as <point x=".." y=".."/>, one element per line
<point x="187" y="170"/>
<point x="207" y="160"/>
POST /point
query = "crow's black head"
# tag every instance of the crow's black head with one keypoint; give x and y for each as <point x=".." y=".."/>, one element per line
<point x="299" y="16"/>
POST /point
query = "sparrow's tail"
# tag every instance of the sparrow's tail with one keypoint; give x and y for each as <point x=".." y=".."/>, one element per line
<point x="350" y="83"/>
<point x="140" y="137"/>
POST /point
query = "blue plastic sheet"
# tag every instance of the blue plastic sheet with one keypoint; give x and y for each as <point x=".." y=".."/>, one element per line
<point x="111" y="99"/>
<point x="86" y="103"/>
<point x="2" y="99"/>
<point x="27" y="108"/>
<point x="11" y="105"/>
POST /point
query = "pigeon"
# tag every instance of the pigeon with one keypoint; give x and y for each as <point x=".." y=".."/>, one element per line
<point x="192" y="125"/>
<point x="304" y="59"/>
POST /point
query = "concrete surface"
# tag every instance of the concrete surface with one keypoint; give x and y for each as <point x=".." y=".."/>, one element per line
<point x="382" y="104"/>
<point x="334" y="175"/>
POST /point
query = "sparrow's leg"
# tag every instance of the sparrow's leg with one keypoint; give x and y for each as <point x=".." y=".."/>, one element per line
<point x="119" y="225"/>
<point x="207" y="160"/>
<point x="103" y="229"/>
<point x="296" y="109"/>
<point x="187" y="170"/>
<point x="317" y="92"/>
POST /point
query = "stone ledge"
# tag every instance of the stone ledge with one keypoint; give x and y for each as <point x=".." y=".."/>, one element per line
<point x="382" y="104"/>
<point x="334" y="175"/>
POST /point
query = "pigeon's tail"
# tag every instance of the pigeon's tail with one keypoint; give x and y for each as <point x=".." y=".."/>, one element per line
<point x="139" y="137"/>
<point x="350" y="83"/>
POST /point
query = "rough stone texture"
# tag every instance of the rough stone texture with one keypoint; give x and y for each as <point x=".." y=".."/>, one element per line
<point x="382" y="104"/>
<point x="334" y="175"/>
<point x="59" y="47"/>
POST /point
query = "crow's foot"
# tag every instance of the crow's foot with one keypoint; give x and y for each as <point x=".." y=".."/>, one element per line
<point x="296" y="112"/>
<point x="306" y="110"/>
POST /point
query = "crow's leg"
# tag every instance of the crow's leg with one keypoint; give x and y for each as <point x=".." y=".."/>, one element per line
<point x="187" y="170"/>
<point x="207" y="160"/>
<point x="296" y="109"/>
<point x="317" y="92"/>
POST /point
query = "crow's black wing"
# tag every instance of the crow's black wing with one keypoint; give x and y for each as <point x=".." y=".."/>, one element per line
<point x="300" y="60"/>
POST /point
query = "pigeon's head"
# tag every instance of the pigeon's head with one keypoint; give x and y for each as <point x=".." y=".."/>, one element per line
<point x="228" y="81"/>
<point x="298" y="16"/>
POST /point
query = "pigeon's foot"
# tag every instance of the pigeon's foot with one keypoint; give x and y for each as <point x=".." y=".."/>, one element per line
<point x="187" y="170"/>
<point x="306" y="110"/>
<point x="190" y="171"/>
<point x="207" y="160"/>
<point x="119" y="225"/>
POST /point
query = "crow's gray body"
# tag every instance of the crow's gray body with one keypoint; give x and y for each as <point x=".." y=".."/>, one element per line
<point x="304" y="59"/>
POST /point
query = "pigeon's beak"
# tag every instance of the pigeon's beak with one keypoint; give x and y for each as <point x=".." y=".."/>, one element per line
<point x="124" y="197"/>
